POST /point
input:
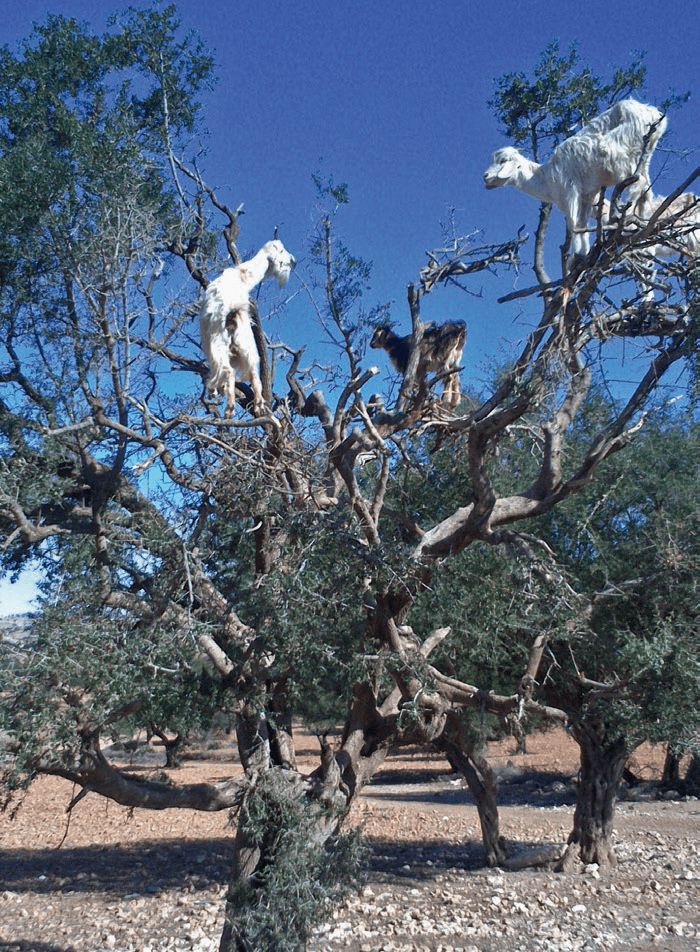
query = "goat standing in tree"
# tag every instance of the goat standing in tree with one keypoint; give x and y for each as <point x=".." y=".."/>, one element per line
<point x="225" y="327"/>
<point x="440" y="353"/>
<point x="616" y="145"/>
<point x="675" y="231"/>
<point x="682" y="219"/>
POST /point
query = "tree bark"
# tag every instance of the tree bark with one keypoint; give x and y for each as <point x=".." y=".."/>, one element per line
<point x="692" y="777"/>
<point x="672" y="769"/>
<point x="463" y="755"/>
<point x="602" y="764"/>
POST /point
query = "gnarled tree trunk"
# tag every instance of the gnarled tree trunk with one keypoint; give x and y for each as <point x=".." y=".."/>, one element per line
<point x="281" y="804"/>
<point x="464" y="756"/>
<point x="602" y="762"/>
<point x="692" y="777"/>
<point x="672" y="769"/>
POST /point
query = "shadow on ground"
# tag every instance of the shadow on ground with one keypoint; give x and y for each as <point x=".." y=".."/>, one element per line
<point x="24" y="946"/>
<point x="422" y="859"/>
<point x="146" y="867"/>
<point x="516" y="787"/>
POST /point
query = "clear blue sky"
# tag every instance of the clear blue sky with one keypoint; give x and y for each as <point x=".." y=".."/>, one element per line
<point x="391" y="98"/>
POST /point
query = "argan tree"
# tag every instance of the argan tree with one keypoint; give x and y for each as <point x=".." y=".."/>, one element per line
<point x="627" y="664"/>
<point x="265" y="567"/>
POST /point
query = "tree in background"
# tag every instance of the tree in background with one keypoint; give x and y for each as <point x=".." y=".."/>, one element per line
<point x="610" y="597"/>
<point x="546" y="109"/>
<point x="628" y="666"/>
<point x="272" y="567"/>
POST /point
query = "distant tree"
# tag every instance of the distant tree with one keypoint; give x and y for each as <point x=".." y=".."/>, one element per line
<point x="273" y="566"/>
<point x="607" y="585"/>
<point x="628" y="667"/>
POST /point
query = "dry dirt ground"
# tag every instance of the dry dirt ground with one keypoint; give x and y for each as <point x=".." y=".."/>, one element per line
<point x="105" y="878"/>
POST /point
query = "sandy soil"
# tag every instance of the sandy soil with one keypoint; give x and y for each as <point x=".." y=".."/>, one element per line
<point x="105" y="878"/>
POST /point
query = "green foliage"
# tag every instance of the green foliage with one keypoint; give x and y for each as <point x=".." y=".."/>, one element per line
<point x="89" y="208"/>
<point x="618" y="599"/>
<point x="94" y="670"/>
<point x="176" y="70"/>
<point x="329" y="190"/>
<point x="300" y="876"/>
<point x="489" y="595"/>
<point x="80" y="139"/>
<point x="559" y="98"/>
<point x="345" y="276"/>
<point x="632" y="546"/>
<point x="308" y="613"/>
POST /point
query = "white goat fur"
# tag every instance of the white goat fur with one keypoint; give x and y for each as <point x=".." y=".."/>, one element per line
<point x="616" y="145"/>
<point x="441" y="352"/>
<point x="675" y="232"/>
<point x="224" y="322"/>
<point x="680" y="221"/>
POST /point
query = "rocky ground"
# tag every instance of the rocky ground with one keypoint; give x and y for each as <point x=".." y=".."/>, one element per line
<point x="105" y="878"/>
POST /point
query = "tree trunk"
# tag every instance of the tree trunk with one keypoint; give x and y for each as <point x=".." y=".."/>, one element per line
<point x="672" y="769"/>
<point x="692" y="777"/>
<point x="602" y="763"/>
<point x="483" y="786"/>
<point x="267" y="754"/>
<point x="517" y="731"/>
<point x="284" y="795"/>
<point x="246" y="859"/>
<point x="171" y="746"/>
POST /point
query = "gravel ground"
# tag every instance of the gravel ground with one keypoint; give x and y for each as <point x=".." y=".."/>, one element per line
<point x="430" y="894"/>
<point x="135" y="881"/>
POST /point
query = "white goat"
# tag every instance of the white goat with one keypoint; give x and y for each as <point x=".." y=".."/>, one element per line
<point x="224" y="323"/>
<point x="441" y="352"/>
<point x="675" y="232"/>
<point x="679" y="224"/>
<point x="615" y="146"/>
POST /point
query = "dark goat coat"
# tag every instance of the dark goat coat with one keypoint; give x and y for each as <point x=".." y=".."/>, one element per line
<point x="440" y="352"/>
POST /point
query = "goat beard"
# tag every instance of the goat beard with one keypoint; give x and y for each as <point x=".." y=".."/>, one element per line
<point x="283" y="275"/>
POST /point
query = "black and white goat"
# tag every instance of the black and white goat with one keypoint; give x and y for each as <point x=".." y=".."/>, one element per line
<point x="440" y="353"/>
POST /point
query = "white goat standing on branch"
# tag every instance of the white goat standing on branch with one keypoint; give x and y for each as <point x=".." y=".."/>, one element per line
<point x="675" y="230"/>
<point x="225" y="327"/>
<point x="615" y="146"/>
<point x="681" y="221"/>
